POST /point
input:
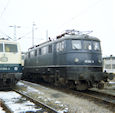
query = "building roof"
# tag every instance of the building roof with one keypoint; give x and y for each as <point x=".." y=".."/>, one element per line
<point x="107" y="58"/>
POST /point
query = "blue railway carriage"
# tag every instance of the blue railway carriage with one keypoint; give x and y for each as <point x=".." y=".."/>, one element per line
<point x="10" y="63"/>
<point x="73" y="60"/>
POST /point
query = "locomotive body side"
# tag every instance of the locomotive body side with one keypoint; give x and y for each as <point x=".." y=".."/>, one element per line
<point x="74" y="61"/>
<point x="10" y="63"/>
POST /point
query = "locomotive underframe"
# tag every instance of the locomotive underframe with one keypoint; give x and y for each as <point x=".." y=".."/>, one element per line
<point x="77" y="77"/>
<point x="8" y="80"/>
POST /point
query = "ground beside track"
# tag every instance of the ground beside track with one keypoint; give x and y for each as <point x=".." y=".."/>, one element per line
<point x="74" y="103"/>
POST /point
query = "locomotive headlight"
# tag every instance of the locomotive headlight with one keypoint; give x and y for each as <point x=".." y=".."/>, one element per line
<point x="3" y="59"/>
<point x="15" y="68"/>
<point x="76" y="60"/>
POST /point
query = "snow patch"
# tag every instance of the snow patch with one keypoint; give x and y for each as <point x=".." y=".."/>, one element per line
<point x="17" y="103"/>
<point x="30" y="89"/>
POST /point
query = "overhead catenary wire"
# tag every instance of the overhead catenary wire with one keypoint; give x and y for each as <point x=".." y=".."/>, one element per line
<point x="4" y="9"/>
<point x="19" y="38"/>
<point x="24" y="35"/>
<point x="8" y="37"/>
<point x="84" y="11"/>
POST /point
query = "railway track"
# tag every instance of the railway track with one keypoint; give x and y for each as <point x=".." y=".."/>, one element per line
<point x="16" y="101"/>
<point x="95" y="95"/>
<point x="102" y="96"/>
<point x="106" y="95"/>
<point x="38" y="103"/>
<point x="4" y="108"/>
<point x="27" y="89"/>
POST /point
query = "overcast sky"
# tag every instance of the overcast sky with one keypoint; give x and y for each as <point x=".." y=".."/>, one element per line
<point x="55" y="16"/>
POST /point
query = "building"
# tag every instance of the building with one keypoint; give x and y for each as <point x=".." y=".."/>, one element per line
<point x="109" y="64"/>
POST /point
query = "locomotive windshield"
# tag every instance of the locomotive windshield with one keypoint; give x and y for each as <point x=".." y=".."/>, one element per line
<point x="76" y="44"/>
<point x="10" y="48"/>
<point x="86" y="45"/>
<point x="96" y="46"/>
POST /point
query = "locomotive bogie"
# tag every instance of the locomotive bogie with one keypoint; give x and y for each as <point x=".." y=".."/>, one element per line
<point x="8" y="80"/>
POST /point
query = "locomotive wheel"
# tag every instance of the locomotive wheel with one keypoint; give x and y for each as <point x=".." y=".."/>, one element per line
<point x="71" y="84"/>
<point x="100" y="85"/>
<point x="82" y="85"/>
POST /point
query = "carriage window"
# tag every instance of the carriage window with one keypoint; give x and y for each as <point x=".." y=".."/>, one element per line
<point x="39" y="51"/>
<point x="44" y="50"/>
<point x="1" y="47"/>
<point x="28" y="55"/>
<point x="32" y="53"/>
<point x="11" y="48"/>
<point x="96" y="46"/>
<point x="58" y="47"/>
<point x="87" y="45"/>
<point x="76" y="44"/>
<point x="35" y="52"/>
<point x="62" y="45"/>
<point x="50" y="49"/>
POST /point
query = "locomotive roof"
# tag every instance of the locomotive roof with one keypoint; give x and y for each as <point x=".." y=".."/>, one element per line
<point x="65" y="37"/>
<point x="2" y="40"/>
<point x="8" y="41"/>
<point x="83" y="36"/>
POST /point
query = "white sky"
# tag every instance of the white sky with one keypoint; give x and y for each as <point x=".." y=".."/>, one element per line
<point x="57" y="16"/>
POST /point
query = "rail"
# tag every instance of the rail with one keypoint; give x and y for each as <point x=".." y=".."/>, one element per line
<point x="46" y="107"/>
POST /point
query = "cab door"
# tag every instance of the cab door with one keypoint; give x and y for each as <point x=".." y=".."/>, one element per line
<point x="59" y="55"/>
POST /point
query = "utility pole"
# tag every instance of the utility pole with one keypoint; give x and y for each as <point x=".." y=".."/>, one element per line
<point x="33" y="26"/>
<point x="15" y="27"/>
<point x="47" y="35"/>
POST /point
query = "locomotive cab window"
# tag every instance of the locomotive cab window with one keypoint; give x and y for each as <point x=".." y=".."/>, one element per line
<point x="1" y="47"/>
<point x="76" y="44"/>
<point x="87" y="45"/>
<point x="11" y="48"/>
<point x="96" y="46"/>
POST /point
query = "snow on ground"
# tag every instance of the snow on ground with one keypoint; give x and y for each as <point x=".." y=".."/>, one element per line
<point x="17" y="103"/>
<point x="1" y="110"/>
<point x="42" y="96"/>
<point x="30" y="89"/>
<point x="71" y="103"/>
<point x="112" y="82"/>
